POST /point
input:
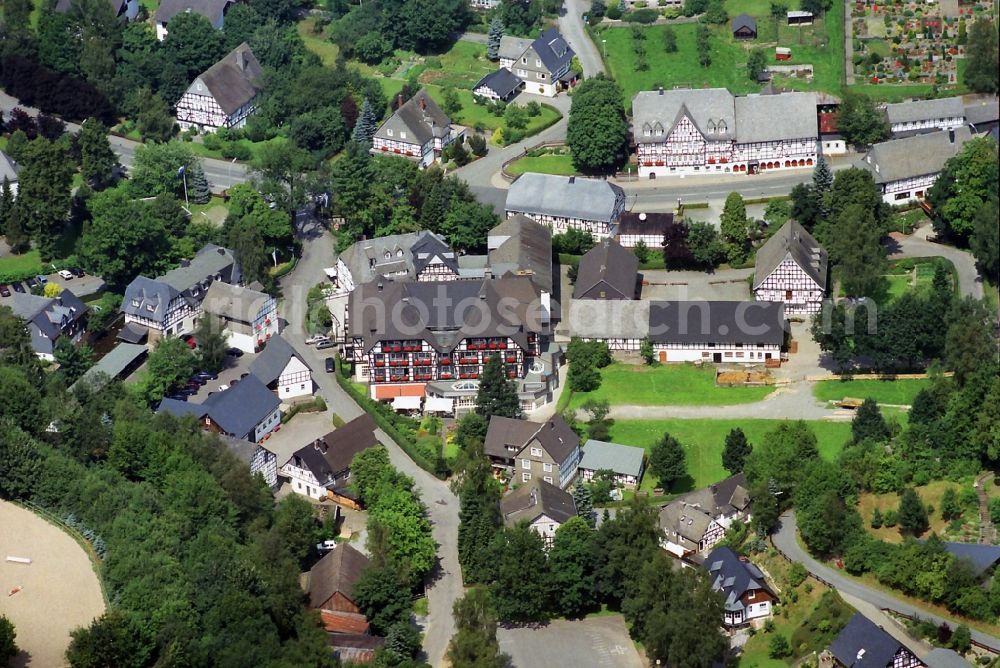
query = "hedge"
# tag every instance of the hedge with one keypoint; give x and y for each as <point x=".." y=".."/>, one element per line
<point x="399" y="428"/>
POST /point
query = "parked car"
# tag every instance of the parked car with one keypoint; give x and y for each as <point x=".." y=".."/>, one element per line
<point x="326" y="546"/>
<point x="316" y="339"/>
<point x="323" y="345"/>
<point x="76" y="271"/>
<point x="197" y="380"/>
<point x="177" y="397"/>
<point x="17" y="287"/>
<point x="31" y="283"/>
<point x="189" y="340"/>
<point x="329" y="365"/>
<point x="66" y="274"/>
<point x="234" y="352"/>
<point x="42" y="280"/>
<point x="4" y="291"/>
<point x="223" y="388"/>
<point x="188" y="391"/>
<point x="207" y="375"/>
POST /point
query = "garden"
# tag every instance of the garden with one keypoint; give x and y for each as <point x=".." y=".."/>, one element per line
<point x="952" y="512"/>
<point x="555" y="160"/>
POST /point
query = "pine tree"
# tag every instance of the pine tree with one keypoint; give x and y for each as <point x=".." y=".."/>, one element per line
<point x="876" y="519"/>
<point x="15" y="230"/>
<point x="198" y="190"/>
<point x="912" y="516"/>
<point x="950" y="507"/>
<point x="737" y="449"/>
<point x="97" y="160"/>
<point x="822" y="183"/>
<point x="364" y="129"/>
<point x="493" y="39"/>
<point x="479" y="515"/>
<point x="6" y="205"/>
<point x="667" y="461"/>
<point x="584" y="501"/>
<point x="868" y="423"/>
<point x="497" y="395"/>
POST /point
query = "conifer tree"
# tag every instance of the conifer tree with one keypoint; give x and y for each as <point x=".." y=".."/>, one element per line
<point x="822" y="183"/>
<point x="737" y="449"/>
<point x="493" y="39"/>
<point x="497" y="395"/>
<point x="365" y="128"/>
<point x="198" y="190"/>
<point x="584" y="501"/>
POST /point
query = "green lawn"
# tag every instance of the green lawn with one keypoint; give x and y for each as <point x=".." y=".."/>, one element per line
<point x="703" y="441"/>
<point x="551" y="163"/>
<point x="26" y="264"/>
<point x="214" y="211"/>
<point x="900" y="392"/>
<point x="666" y="385"/>
<point x="462" y="66"/>
<point x="317" y="43"/>
<point x="203" y="151"/>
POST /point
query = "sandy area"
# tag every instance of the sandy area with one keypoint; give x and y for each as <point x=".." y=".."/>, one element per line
<point x="60" y="590"/>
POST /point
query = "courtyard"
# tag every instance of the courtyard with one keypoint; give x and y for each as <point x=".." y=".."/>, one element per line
<point x="595" y="642"/>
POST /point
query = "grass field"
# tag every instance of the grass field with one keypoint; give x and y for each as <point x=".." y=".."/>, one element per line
<point x="900" y="392"/>
<point x="666" y="385"/>
<point x="203" y="151"/>
<point x="703" y="441"/>
<point x="560" y="164"/>
<point x="25" y="263"/>
<point x="317" y="43"/>
<point x="462" y="66"/>
<point x="929" y="494"/>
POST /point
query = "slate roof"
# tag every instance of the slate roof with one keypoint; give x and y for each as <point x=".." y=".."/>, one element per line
<point x="791" y="240"/>
<point x="503" y="432"/>
<point x="522" y="247"/>
<point x="430" y="246"/>
<point x="717" y="322"/>
<point x="553" y="50"/>
<point x="442" y="313"/>
<point x="939" y="657"/>
<point x="153" y="297"/>
<point x="862" y="644"/>
<point x="420" y="116"/>
<point x="111" y="365"/>
<point x="568" y="197"/>
<point x="512" y="47"/>
<point x="235" y="80"/>
<point x="744" y="21"/>
<point x="706" y="107"/>
<point x="976" y="113"/>
<point x="918" y="155"/>
<point x="558" y="439"/>
<point x="236" y="411"/>
<point x="641" y="223"/>
<point x="691" y="514"/>
<point x="622" y="459"/>
<point x="336" y="572"/>
<point x="234" y="302"/>
<point x="609" y="318"/>
<point x="210" y="9"/>
<point x="8" y="168"/>
<point x="757" y="117"/>
<point x="608" y="267"/>
<point x="359" y="255"/>
<point x="47" y="317"/>
<point x="733" y="577"/>
<point x="210" y="261"/>
<point x="980" y="558"/>
<point x="332" y="454"/>
<point x="503" y="82"/>
<point x="925" y="110"/>
<point x="271" y="361"/>
<point x="536" y="498"/>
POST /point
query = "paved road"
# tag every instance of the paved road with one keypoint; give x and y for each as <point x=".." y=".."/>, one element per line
<point x="221" y="174"/>
<point x="916" y="245"/>
<point x="572" y="27"/>
<point x="442" y="505"/>
<point x="784" y="539"/>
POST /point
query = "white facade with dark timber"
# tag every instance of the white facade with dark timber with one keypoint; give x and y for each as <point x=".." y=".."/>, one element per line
<point x="225" y="95"/>
<point x="907" y="118"/>
<point x="904" y="169"/>
<point x="562" y="202"/>
<point x="418" y="130"/>
<point x="698" y="131"/>
<point x="791" y="268"/>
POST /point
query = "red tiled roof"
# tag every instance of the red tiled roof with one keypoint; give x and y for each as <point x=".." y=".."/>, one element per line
<point x="344" y="622"/>
<point x="390" y="391"/>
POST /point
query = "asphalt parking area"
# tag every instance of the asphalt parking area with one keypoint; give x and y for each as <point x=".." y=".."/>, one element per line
<point x="597" y="642"/>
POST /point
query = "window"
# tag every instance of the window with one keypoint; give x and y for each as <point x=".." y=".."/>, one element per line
<point x="547" y="468"/>
<point x="536" y="452"/>
<point x="389" y="131"/>
<point x="524" y="60"/>
<point x="538" y="62"/>
<point x="525" y="463"/>
<point x="548" y="479"/>
<point x="135" y="303"/>
<point x="525" y="477"/>
<point x="402" y="134"/>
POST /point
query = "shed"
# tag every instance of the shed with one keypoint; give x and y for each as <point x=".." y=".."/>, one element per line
<point x="782" y="53"/>
<point x="744" y="26"/>
<point x="798" y="17"/>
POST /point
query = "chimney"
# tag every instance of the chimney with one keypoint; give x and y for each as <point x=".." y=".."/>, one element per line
<point x="951" y="135"/>
<point x="533" y="497"/>
<point x="399" y="101"/>
<point x="423" y="103"/>
<point x="572" y="179"/>
<point x="185" y="263"/>
<point x="241" y="59"/>
<point x="380" y="286"/>
<point x="220" y="251"/>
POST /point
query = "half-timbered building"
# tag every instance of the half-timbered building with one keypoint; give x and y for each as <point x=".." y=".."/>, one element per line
<point x="542" y="505"/>
<point x="918" y="116"/>
<point x="694" y="131"/>
<point x="863" y="644"/>
<point x="746" y="593"/>
<point x="249" y="318"/>
<point x="791" y="268"/>
<point x="904" y="169"/>
<point x="561" y="202"/>
<point x="224" y="95"/>
<point x="649" y="228"/>
<point x="696" y="521"/>
<point x="418" y="130"/>
<point x="607" y="271"/>
<point x="213" y="10"/>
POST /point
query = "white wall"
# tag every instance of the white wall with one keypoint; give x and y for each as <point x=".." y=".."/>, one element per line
<point x="290" y="381"/>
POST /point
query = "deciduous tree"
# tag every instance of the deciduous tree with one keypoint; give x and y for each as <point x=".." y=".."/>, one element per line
<point x="573" y="567"/>
<point x="97" y="160"/>
<point x="734" y="228"/>
<point x="860" y="122"/>
<point x="597" y="133"/>
<point x="474" y="644"/>
<point x="981" y="67"/>
<point x="520" y="575"/>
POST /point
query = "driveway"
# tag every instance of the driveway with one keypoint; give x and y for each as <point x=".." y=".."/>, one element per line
<point x="573" y="29"/>
<point x="597" y="642"/>
<point x="785" y="540"/>
<point x="916" y="245"/>
<point x="442" y="506"/>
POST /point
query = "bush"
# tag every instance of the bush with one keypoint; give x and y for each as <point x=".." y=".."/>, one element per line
<point x="889" y="518"/>
<point x="212" y="141"/>
<point x="614" y="13"/>
<point x="778" y="648"/>
<point x="644" y="16"/>
<point x="232" y="150"/>
<point x="797" y="574"/>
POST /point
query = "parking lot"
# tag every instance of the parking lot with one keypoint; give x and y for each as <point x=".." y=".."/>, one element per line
<point x="234" y="370"/>
<point x="597" y="642"/>
<point x="81" y="286"/>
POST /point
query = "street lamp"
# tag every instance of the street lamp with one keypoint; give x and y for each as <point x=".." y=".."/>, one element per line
<point x="605" y="43"/>
<point x="183" y="174"/>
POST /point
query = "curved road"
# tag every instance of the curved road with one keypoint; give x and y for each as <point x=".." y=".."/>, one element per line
<point x="442" y="505"/>
<point x="785" y="540"/>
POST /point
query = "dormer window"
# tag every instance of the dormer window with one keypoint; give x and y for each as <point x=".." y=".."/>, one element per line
<point x="402" y="134"/>
<point x="399" y="253"/>
<point x="388" y="131"/>
<point x="149" y="307"/>
<point x="711" y="127"/>
<point x="388" y="255"/>
<point x="658" y="130"/>
<point x="135" y="303"/>
<point x="721" y="127"/>
<point x="647" y="130"/>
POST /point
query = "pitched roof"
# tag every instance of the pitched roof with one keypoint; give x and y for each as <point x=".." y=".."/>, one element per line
<point x="561" y="196"/>
<point x="733" y="577"/>
<point x="791" y="240"/>
<point x="534" y="499"/>
<point x="642" y="223"/>
<point x="744" y="21"/>
<point x="609" y="264"/>
<point x="558" y="439"/>
<point x="983" y="111"/>
<point x="980" y="558"/>
<point x="717" y="322"/>
<point x="148" y="298"/>
<point x="210" y="9"/>
<point x="337" y="572"/>
<point x="421" y="116"/>
<point x="503" y="82"/>
<point x="208" y="262"/>
<point x="553" y="50"/>
<point x="925" y="110"/>
<point x="332" y="454"/>
<point x="236" y="410"/>
<point x="707" y="108"/>
<point x="756" y="114"/>
<point x="506" y="436"/>
<point x="622" y="459"/>
<point x="8" y="168"/>
<point x="271" y="361"/>
<point x="939" y="657"/>
<point x="117" y="360"/>
<point x="336" y="623"/>
<point x="522" y="247"/>
<point x="366" y="259"/>
<point x="609" y="318"/>
<point x="235" y="80"/>
<point x="691" y="514"/>
<point x="918" y="155"/>
<point x="512" y="47"/>
<point x="862" y="644"/>
<point x="430" y="246"/>
<point x="47" y="317"/>
<point x="234" y="302"/>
